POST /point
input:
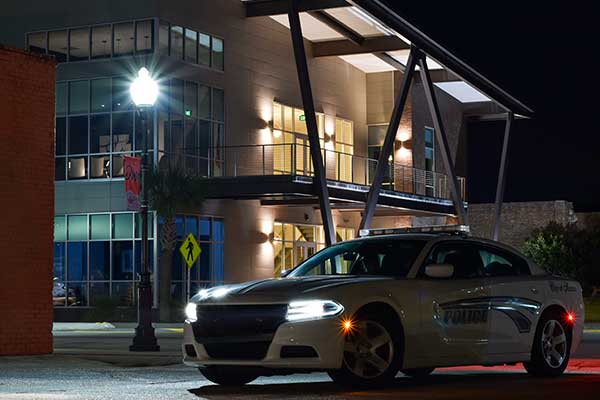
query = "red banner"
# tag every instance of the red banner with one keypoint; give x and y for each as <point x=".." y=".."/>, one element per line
<point x="132" y="167"/>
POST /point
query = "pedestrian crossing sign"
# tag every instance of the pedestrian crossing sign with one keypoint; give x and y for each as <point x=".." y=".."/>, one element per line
<point x="190" y="250"/>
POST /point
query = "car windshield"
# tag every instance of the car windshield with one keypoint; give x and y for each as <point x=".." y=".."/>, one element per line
<point x="386" y="257"/>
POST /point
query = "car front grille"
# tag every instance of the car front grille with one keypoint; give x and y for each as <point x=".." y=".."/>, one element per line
<point x="238" y="351"/>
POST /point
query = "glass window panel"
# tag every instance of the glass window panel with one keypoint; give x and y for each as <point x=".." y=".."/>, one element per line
<point x="218" y="230"/>
<point x="59" y="168"/>
<point x="36" y="42"/>
<point x="123" y="38"/>
<point x="163" y="38"/>
<point x="138" y="225"/>
<point x="122" y="130"/>
<point x="177" y="264"/>
<point x="203" y="267"/>
<point x="429" y="137"/>
<point x="77" y="261"/>
<point x="205" y="229"/>
<point x="117" y="165"/>
<point x="77" y="227"/>
<point x="77" y="294"/>
<point x="191" y="46"/>
<point x="99" y="292"/>
<point x="101" y="100"/>
<point x="217" y="54"/>
<point x="177" y="42"/>
<point x="179" y="226"/>
<point x="277" y="121"/>
<point x="177" y="96"/>
<point x="60" y="228"/>
<point x="288" y="119"/>
<point x="100" y="227"/>
<point x="191" y="99"/>
<point x="122" y="226"/>
<point x="218" y="267"/>
<point x="79" y="44"/>
<point x="163" y="129"/>
<point x="100" y="261"/>
<point x="203" y="49"/>
<point x="59" y="267"/>
<point x="78" y="135"/>
<point x="77" y="167"/>
<point x="144" y="36"/>
<point x="191" y="142"/>
<point x="61" y="98"/>
<point x="101" y="42"/>
<point x="121" y="99"/>
<point x="124" y="293"/>
<point x="218" y="105"/>
<point x="139" y="127"/>
<point x="204" y="101"/>
<point x="203" y="146"/>
<point x="122" y="260"/>
<point x="100" y="166"/>
<point x="100" y="133"/>
<point x="177" y="140"/>
<point x="299" y="121"/>
<point x="191" y="226"/>
<point x="57" y="45"/>
<point x="61" y="136"/>
<point x="78" y="97"/>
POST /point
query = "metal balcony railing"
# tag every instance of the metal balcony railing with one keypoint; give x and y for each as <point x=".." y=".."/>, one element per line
<point x="294" y="159"/>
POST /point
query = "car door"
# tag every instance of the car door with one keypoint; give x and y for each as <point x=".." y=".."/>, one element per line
<point x="454" y="324"/>
<point x="515" y="301"/>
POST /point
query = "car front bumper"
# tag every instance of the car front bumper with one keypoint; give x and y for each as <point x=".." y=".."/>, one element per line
<point x="323" y="335"/>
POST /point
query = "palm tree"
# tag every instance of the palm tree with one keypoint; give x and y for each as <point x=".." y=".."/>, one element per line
<point x="170" y="191"/>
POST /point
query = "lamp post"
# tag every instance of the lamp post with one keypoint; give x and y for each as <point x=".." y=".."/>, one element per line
<point x="144" y="91"/>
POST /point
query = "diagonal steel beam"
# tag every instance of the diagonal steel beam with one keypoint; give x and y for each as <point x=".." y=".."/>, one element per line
<point x="320" y="179"/>
<point x="337" y="26"/>
<point x="388" y="143"/>
<point x="391" y="61"/>
<point x="510" y="117"/>
<point x="442" y="139"/>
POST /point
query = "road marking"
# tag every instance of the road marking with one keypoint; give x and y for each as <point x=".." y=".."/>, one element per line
<point x="178" y="330"/>
<point x="591" y="331"/>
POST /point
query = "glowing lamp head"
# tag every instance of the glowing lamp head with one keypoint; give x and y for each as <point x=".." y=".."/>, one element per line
<point x="144" y="89"/>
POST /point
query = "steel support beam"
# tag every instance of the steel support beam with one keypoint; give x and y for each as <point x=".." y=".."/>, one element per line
<point x="344" y="47"/>
<point x="337" y="26"/>
<point x="510" y="117"/>
<point x="440" y="135"/>
<point x="320" y="179"/>
<point x="391" y="61"/>
<point x="263" y="8"/>
<point x="388" y="143"/>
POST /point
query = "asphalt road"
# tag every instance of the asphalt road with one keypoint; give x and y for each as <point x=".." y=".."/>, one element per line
<point x="114" y="373"/>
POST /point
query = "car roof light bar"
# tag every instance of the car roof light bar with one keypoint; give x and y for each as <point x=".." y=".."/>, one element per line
<point x="447" y="229"/>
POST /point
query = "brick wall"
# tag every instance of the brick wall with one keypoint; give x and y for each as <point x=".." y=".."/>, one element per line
<point x="26" y="201"/>
<point x="519" y="219"/>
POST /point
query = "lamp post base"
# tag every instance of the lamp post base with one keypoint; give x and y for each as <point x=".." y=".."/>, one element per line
<point x="144" y="339"/>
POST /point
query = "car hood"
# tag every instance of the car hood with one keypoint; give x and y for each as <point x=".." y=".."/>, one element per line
<point x="279" y="289"/>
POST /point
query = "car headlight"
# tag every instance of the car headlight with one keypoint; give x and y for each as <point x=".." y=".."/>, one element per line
<point x="191" y="312"/>
<point x="312" y="309"/>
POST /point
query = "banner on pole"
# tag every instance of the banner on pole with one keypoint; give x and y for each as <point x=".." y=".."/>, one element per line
<point x="132" y="168"/>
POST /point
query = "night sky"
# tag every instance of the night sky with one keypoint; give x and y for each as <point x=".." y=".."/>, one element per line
<point x="543" y="54"/>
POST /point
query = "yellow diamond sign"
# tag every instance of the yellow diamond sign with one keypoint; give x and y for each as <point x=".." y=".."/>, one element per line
<point x="190" y="250"/>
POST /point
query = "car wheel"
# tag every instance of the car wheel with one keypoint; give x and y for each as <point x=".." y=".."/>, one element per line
<point x="225" y="376"/>
<point x="551" y="346"/>
<point x="417" y="372"/>
<point x="372" y="353"/>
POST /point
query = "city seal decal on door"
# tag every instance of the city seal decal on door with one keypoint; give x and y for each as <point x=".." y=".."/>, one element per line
<point x="475" y="311"/>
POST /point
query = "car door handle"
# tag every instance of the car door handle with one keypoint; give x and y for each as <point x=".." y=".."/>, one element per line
<point x="534" y="290"/>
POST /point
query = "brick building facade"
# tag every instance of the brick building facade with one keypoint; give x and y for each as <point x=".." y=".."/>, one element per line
<point x="27" y="198"/>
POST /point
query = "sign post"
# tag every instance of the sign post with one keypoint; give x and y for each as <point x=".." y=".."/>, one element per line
<point x="190" y="250"/>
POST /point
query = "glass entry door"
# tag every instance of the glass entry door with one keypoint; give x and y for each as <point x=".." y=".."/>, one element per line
<point x="303" y="161"/>
<point x="303" y="250"/>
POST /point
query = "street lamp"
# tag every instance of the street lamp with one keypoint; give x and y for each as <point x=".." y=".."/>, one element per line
<point x="144" y="92"/>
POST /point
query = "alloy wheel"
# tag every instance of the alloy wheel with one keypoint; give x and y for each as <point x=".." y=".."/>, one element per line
<point x="369" y="350"/>
<point x="554" y="343"/>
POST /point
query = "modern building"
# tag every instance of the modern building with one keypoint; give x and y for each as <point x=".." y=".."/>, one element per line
<point x="231" y="109"/>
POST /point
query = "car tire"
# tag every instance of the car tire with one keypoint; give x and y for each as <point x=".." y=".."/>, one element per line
<point x="417" y="373"/>
<point x="551" y="346"/>
<point x="373" y="351"/>
<point x="227" y="376"/>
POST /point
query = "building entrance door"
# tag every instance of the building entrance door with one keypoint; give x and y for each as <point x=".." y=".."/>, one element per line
<point x="303" y="250"/>
<point x="303" y="161"/>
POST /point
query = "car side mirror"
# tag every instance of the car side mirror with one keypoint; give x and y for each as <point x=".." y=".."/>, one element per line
<point x="285" y="273"/>
<point x="439" y="271"/>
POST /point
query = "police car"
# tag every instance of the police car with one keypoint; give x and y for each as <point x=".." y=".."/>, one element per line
<point x="408" y="300"/>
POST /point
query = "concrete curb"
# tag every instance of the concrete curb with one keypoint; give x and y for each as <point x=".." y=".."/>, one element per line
<point x="81" y="326"/>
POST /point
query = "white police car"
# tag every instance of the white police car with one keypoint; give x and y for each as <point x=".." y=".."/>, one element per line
<point x="398" y="300"/>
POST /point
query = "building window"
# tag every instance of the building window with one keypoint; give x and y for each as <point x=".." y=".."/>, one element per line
<point x="429" y="161"/>
<point x="294" y="243"/>
<point x="191" y="128"/>
<point x="344" y="147"/>
<point x="95" y="129"/>
<point x="376" y="137"/>
<point x="189" y="45"/>
<point x="97" y="256"/>
<point x="95" y="42"/>
<point x="209" y="269"/>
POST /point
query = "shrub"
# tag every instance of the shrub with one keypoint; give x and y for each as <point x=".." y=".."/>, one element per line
<point x="551" y="248"/>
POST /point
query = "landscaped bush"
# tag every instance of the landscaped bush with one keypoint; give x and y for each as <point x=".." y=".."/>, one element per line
<point x="567" y="251"/>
